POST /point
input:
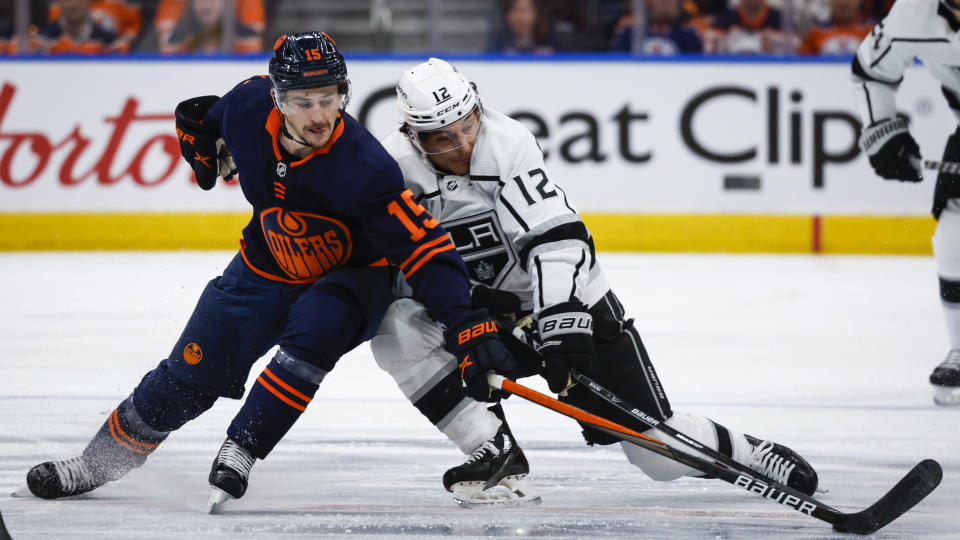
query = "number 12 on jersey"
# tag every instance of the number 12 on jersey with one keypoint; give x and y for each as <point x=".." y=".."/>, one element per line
<point x="416" y="231"/>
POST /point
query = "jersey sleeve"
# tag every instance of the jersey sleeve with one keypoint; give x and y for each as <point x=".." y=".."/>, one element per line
<point x="879" y="64"/>
<point x="413" y="240"/>
<point x="553" y="245"/>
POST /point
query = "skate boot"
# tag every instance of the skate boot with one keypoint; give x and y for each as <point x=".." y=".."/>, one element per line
<point x="229" y="474"/>
<point x="495" y="474"/>
<point x="780" y="463"/>
<point x="122" y="444"/>
<point x="64" y="478"/>
<point x="946" y="380"/>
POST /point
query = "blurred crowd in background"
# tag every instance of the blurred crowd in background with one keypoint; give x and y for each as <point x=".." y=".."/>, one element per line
<point x="646" y="27"/>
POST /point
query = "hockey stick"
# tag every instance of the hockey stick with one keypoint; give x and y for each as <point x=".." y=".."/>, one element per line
<point x="901" y="498"/>
<point x="949" y="167"/>
<point x="916" y="485"/>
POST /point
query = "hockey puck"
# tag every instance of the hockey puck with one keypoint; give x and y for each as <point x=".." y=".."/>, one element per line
<point x="4" y="535"/>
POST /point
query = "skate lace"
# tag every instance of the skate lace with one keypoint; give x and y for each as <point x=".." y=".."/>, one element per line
<point x="236" y="457"/>
<point x="74" y="474"/>
<point x="770" y="464"/>
<point x="952" y="361"/>
<point x="491" y="448"/>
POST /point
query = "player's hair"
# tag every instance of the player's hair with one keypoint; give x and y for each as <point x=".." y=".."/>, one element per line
<point x="308" y="60"/>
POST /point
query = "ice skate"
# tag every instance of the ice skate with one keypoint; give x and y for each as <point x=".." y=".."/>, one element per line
<point x="780" y="463"/>
<point x="229" y="474"/>
<point x="65" y="478"/>
<point x="946" y="380"/>
<point x="494" y="475"/>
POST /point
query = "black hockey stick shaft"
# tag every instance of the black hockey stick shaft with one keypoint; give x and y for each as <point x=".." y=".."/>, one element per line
<point x="916" y="485"/>
<point x="912" y="488"/>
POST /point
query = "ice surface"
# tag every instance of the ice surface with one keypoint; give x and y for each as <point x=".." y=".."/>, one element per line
<point x="829" y="355"/>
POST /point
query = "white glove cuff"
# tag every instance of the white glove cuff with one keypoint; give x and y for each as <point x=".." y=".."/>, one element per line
<point x="574" y="322"/>
<point x="873" y="138"/>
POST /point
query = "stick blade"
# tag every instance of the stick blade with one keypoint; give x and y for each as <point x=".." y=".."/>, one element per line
<point x="910" y="490"/>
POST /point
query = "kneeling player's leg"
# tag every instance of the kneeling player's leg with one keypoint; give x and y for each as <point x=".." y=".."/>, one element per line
<point x="329" y="319"/>
<point x="626" y="370"/>
<point x="409" y="346"/>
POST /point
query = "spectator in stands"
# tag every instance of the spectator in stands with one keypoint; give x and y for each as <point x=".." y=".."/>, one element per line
<point x="8" y="40"/>
<point x="666" y="31"/>
<point x="751" y="27"/>
<point x="119" y="17"/>
<point x="523" y="29"/>
<point x="841" y="35"/>
<point x="200" y="29"/>
<point x="74" y="32"/>
<point x="250" y="16"/>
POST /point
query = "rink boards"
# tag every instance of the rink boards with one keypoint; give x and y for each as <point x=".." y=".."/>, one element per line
<point x="741" y="155"/>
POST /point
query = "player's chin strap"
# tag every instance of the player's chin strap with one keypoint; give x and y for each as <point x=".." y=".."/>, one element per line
<point x="286" y="133"/>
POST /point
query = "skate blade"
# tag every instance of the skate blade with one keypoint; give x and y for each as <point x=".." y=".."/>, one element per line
<point x="946" y="396"/>
<point x="511" y="491"/>
<point x="21" y="493"/>
<point x="217" y="498"/>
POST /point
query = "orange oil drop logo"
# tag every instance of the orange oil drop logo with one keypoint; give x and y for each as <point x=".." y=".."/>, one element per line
<point x="192" y="354"/>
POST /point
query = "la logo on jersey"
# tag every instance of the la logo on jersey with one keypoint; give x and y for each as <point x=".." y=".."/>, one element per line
<point x="480" y="242"/>
<point x="305" y="246"/>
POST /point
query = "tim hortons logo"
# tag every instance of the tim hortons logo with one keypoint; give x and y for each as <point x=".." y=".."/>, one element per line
<point x="32" y="151"/>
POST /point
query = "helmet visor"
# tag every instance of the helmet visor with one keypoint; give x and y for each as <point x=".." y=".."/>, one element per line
<point x="449" y="138"/>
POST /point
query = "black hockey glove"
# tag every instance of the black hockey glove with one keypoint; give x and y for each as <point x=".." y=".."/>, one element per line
<point x="475" y="344"/>
<point x="892" y="150"/>
<point x="566" y="335"/>
<point x="494" y="300"/>
<point x="201" y="145"/>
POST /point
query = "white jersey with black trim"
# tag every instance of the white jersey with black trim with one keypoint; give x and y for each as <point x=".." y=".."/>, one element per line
<point x="923" y="29"/>
<point x="514" y="227"/>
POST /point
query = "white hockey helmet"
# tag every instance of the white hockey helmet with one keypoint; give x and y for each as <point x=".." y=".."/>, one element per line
<point x="432" y="96"/>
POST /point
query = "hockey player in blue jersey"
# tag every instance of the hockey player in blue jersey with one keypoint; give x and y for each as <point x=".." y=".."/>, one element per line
<point x="312" y="274"/>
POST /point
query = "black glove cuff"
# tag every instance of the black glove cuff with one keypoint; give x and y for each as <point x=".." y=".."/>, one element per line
<point x="190" y="114"/>
<point x="494" y="300"/>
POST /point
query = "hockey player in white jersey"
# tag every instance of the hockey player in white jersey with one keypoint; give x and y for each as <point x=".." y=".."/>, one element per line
<point x="926" y="30"/>
<point x="482" y="175"/>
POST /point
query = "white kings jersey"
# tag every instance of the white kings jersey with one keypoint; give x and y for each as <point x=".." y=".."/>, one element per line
<point x="922" y="29"/>
<point x="514" y="227"/>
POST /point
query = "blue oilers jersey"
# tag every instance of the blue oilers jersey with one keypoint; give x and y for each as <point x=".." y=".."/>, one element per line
<point x="343" y="205"/>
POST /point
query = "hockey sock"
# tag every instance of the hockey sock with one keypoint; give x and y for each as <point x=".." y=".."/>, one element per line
<point x="274" y="403"/>
<point x="122" y="443"/>
<point x="946" y="251"/>
<point x="950" y="297"/>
